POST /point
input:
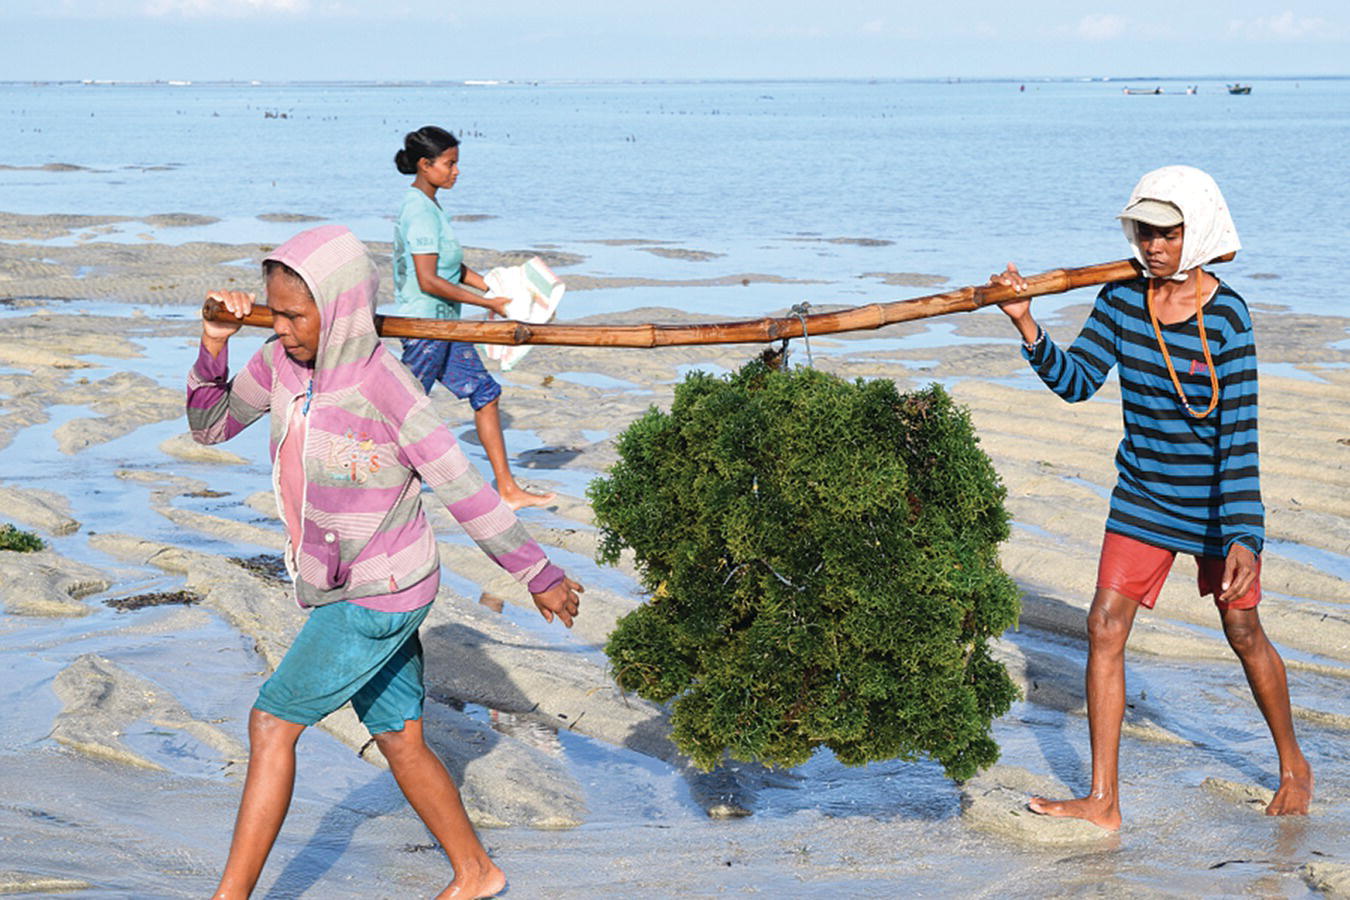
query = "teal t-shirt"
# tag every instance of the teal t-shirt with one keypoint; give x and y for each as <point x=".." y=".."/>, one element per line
<point x="423" y="227"/>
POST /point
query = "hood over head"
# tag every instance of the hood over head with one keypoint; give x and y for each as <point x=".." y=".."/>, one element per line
<point x="340" y="275"/>
<point x="1210" y="232"/>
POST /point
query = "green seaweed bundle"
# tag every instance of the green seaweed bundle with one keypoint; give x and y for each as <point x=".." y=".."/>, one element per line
<point x="821" y="558"/>
<point x="12" y="538"/>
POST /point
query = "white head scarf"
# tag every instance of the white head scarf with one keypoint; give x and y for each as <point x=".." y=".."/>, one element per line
<point x="1210" y="231"/>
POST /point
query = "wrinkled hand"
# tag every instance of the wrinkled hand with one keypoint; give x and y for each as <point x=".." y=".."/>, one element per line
<point x="1239" y="572"/>
<point x="240" y="303"/>
<point x="560" y="600"/>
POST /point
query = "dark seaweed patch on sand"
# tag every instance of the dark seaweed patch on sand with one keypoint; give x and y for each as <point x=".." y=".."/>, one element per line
<point x="267" y="566"/>
<point x="156" y="598"/>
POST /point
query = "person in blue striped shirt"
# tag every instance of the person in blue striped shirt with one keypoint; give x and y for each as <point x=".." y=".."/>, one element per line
<point x="1188" y="469"/>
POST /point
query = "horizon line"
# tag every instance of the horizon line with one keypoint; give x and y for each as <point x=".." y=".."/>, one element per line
<point x="479" y="81"/>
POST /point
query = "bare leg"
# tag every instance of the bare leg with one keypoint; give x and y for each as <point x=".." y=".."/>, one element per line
<point x="262" y="809"/>
<point x="1109" y="623"/>
<point x="423" y="779"/>
<point x="1270" y="687"/>
<point x="488" y="422"/>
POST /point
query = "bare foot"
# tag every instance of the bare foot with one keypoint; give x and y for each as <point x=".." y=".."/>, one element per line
<point x="471" y="885"/>
<point x="1097" y="810"/>
<point x="519" y="498"/>
<point x="1295" y="793"/>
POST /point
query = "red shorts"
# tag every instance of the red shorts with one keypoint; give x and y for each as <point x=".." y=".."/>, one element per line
<point x="1138" y="571"/>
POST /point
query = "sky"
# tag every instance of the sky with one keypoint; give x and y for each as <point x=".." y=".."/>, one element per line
<point x="622" y="39"/>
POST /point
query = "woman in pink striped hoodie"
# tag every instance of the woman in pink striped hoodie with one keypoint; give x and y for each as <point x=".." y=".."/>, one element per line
<point x="353" y="440"/>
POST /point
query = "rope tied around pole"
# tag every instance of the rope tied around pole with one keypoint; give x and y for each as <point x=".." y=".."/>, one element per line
<point x="800" y="311"/>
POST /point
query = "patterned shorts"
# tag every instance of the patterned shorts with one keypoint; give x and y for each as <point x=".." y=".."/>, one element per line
<point x="454" y="364"/>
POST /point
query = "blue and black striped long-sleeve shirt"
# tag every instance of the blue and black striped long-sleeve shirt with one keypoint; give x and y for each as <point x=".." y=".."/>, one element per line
<point x="1185" y="484"/>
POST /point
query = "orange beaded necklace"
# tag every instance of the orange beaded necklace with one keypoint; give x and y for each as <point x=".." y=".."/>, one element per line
<point x="1204" y="345"/>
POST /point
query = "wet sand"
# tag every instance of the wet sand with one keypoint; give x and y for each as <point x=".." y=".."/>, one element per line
<point x="127" y="741"/>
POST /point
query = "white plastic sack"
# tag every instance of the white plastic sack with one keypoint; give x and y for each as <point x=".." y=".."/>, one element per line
<point x="534" y="293"/>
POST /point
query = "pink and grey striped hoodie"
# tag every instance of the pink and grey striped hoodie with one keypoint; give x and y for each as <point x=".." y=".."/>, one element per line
<point x="372" y="441"/>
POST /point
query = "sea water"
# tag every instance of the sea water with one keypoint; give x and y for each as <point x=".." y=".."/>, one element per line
<point x="948" y="178"/>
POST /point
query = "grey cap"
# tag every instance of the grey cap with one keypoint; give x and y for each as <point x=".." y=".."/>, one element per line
<point x="1158" y="213"/>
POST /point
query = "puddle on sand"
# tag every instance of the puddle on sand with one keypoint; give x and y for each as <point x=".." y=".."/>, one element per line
<point x="597" y="380"/>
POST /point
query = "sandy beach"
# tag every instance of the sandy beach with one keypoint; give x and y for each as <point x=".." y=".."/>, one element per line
<point x="125" y="743"/>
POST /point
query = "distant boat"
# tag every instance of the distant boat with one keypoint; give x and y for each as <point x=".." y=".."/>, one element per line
<point x="1191" y="89"/>
<point x="1156" y="90"/>
<point x="1239" y="89"/>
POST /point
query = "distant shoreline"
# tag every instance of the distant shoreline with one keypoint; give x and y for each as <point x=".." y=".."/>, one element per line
<point x="575" y="82"/>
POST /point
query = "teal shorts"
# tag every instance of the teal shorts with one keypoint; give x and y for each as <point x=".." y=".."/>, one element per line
<point x="348" y="652"/>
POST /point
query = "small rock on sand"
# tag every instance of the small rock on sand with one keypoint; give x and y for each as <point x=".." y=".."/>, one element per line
<point x="182" y="446"/>
<point x="996" y="801"/>
<point x="1330" y="878"/>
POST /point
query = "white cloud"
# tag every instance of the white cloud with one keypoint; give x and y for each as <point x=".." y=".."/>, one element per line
<point x="1101" y="27"/>
<point x="875" y="26"/>
<point x="1284" y="27"/>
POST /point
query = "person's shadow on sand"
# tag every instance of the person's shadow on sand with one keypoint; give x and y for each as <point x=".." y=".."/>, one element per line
<point x="333" y="835"/>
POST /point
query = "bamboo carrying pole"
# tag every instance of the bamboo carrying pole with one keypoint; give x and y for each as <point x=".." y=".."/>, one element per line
<point x="748" y="331"/>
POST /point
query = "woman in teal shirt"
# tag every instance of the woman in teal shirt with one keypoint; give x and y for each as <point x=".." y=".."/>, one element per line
<point x="431" y="281"/>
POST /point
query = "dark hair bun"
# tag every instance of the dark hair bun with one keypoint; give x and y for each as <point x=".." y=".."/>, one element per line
<point x="427" y="142"/>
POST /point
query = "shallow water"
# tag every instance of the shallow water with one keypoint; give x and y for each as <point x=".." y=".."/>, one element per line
<point x="885" y="829"/>
<point x="958" y="178"/>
